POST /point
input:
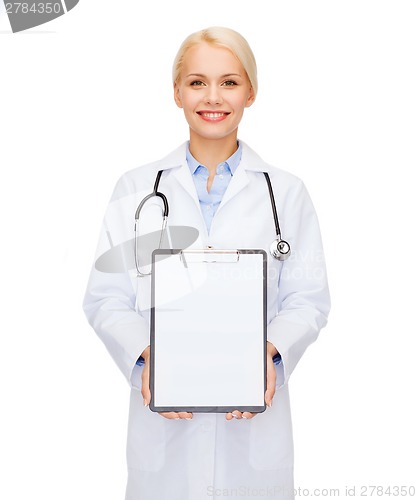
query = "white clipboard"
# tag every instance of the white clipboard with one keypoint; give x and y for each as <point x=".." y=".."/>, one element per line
<point x="208" y="330"/>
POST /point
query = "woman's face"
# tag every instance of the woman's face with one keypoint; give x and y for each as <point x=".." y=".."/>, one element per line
<point x="213" y="89"/>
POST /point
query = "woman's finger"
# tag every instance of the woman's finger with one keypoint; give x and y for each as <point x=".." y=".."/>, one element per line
<point x="146" y="392"/>
<point x="239" y="415"/>
<point x="234" y="414"/>
<point x="185" y="414"/>
<point x="271" y="380"/>
<point x="248" y="415"/>
<point x="173" y="415"/>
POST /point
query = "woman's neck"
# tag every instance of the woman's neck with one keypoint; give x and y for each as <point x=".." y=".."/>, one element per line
<point x="213" y="151"/>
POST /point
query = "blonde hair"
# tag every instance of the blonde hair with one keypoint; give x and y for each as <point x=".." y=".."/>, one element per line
<point x="220" y="37"/>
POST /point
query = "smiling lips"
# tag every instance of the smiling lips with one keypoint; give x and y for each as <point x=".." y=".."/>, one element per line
<point x="213" y="116"/>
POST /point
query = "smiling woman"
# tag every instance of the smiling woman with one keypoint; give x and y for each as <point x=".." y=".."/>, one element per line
<point x="216" y="184"/>
<point x="213" y="87"/>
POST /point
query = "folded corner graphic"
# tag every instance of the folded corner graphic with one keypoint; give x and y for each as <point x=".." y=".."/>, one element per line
<point x="26" y="15"/>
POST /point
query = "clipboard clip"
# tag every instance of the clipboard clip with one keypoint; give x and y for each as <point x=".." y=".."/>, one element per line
<point x="208" y="256"/>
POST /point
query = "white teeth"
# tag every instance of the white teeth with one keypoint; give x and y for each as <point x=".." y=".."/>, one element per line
<point x="213" y="115"/>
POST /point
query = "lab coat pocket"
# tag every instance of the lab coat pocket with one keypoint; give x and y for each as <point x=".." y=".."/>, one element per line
<point x="270" y="439"/>
<point x="146" y="436"/>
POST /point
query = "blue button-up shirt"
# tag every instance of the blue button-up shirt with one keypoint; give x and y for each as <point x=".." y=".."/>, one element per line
<point x="210" y="201"/>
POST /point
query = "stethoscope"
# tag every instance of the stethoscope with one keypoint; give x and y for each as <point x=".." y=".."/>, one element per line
<point x="279" y="248"/>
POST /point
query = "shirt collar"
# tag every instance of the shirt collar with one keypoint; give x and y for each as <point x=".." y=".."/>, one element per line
<point x="232" y="162"/>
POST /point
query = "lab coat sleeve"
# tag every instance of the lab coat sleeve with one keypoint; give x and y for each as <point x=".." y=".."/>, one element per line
<point x="303" y="294"/>
<point x="110" y="298"/>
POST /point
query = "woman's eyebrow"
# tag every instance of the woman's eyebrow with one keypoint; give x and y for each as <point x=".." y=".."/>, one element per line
<point x="200" y="75"/>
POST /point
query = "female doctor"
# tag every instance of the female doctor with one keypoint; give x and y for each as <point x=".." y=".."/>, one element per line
<point x="216" y="184"/>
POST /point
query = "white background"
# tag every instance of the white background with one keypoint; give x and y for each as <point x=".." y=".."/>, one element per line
<point x="88" y="96"/>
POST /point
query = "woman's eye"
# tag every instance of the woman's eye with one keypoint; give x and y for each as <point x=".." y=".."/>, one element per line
<point x="196" y="83"/>
<point x="229" y="83"/>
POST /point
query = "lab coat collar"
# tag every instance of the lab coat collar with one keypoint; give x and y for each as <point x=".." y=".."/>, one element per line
<point x="250" y="162"/>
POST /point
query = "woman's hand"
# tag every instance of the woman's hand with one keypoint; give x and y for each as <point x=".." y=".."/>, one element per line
<point x="271" y="380"/>
<point x="146" y="392"/>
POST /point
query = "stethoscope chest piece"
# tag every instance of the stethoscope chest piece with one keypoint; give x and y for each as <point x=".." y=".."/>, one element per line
<point x="280" y="249"/>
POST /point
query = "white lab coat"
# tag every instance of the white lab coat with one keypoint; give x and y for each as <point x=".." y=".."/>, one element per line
<point x="209" y="456"/>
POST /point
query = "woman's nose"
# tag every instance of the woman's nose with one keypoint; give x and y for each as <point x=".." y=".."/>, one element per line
<point x="213" y="96"/>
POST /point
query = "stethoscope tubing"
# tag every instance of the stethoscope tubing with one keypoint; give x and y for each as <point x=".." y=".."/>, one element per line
<point x="155" y="192"/>
<point x="273" y="205"/>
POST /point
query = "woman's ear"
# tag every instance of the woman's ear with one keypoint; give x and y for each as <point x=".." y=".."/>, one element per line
<point x="177" y="96"/>
<point x="251" y="98"/>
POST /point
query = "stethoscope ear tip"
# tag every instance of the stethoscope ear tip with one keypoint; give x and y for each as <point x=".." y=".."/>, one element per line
<point x="280" y="249"/>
